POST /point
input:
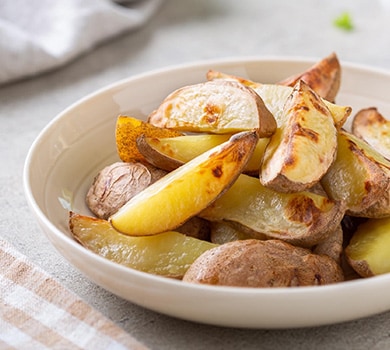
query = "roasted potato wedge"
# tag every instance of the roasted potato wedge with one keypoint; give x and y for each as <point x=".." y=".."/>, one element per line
<point x="303" y="218"/>
<point x="255" y="263"/>
<point x="324" y="77"/>
<point x="304" y="146"/>
<point x="184" y="192"/>
<point x="220" y="107"/>
<point x="372" y="127"/>
<point x="168" y="254"/>
<point x="127" y="131"/>
<point x="359" y="177"/>
<point x="275" y="96"/>
<point x="369" y="249"/>
<point x="171" y="152"/>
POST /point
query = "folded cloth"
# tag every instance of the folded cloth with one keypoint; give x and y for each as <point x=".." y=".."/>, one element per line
<point x="37" y="312"/>
<point x="39" y="35"/>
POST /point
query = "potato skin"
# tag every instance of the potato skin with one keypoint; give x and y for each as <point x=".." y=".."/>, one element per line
<point x="196" y="227"/>
<point x="372" y="127"/>
<point x="255" y="263"/>
<point x="332" y="246"/>
<point x="324" y="77"/>
<point x="115" y="184"/>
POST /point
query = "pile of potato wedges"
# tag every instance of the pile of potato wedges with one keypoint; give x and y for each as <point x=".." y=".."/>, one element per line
<point x="239" y="183"/>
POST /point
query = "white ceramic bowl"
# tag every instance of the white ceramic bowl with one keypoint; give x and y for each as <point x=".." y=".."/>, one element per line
<point x="80" y="141"/>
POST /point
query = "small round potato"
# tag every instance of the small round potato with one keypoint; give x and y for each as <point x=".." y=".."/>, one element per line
<point x="114" y="185"/>
<point x="255" y="263"/>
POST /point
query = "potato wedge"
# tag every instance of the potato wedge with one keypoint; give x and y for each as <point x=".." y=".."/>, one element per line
<point x="257" y="264"/>
<point x="171" y="152"/>
<point x="126" y="133"/>
<point x="303" y="218"/>
<point x="304" y="146"/>
<point x="369" y="249"/>
<point x="184" y="192"/>
<point x="359" y="177"/>
<point x="220" y="107"/>
<point x="216" y="75"/>
<point x="275" y="96"/>
<point x="323" y="77"/>
<point x="168" y="254"/>
<point x="372" y="127"/>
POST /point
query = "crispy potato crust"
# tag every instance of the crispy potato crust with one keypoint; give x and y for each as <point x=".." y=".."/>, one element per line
<point x="255" y="263"/>
<point x="324" y="77"/>
<point x="372" y="127"/>
<point x="220" y="107"/>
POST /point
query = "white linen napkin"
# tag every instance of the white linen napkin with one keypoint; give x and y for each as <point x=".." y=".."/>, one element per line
<point x="39" y="35"/>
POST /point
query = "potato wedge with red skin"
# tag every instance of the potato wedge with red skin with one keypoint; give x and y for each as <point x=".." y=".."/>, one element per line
<point x="275" y="97"/>
<point x="304" y="146"/>
<point x="171" y="152"/>
<point x="324" y="77"/>
<point x="220" y="107"/>
<point x="360" y="177"/>
<point x="263" y="264"/>
<point x="184" y="192"/>
<point x="168" y="254"/>
<point x="372" y="127"/>
<point x="302" y="218"/>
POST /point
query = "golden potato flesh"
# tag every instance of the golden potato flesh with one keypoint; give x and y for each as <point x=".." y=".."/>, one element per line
<point x="184" y="192"/>
<point x="323" y="77"/>
<point x="358" y="176"/>
<point x="369" y="249"/>
<point x="254" y="263"/>
<point x="171" y="152"/>
<point x="168" y="254"/>
<point x="220" y="107"/>
<point x="275" y="97"/>
<point x="126" y="133"/>
<point x="304" y="146"/>
<point x="372" y="127"/>
<point x="381" y="207"/>
<point x="302" y="218"/>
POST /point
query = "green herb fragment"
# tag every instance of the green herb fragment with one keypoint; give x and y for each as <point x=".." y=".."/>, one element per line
<point x="344" y="21"/>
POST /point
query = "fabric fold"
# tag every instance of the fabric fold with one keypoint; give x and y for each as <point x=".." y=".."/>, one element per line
<point x="40" y="35"/>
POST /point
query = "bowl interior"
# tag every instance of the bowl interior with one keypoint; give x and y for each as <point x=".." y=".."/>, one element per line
<point x="80" y="141"/>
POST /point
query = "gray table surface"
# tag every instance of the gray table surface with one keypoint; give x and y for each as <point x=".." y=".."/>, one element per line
<point x="181" y="32"/>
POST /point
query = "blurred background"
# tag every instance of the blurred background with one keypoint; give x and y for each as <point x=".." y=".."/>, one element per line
<point x="106" y="36"/>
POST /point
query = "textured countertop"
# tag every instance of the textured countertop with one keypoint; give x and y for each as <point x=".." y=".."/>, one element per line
<point x="181" y="32"/>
